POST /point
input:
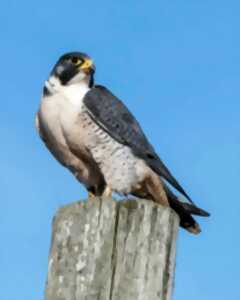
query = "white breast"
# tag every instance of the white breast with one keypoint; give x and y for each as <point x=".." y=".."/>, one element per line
<point x="60" y="110"/>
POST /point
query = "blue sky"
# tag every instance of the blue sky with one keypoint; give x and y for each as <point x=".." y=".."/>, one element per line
<point x="176" y="65"/>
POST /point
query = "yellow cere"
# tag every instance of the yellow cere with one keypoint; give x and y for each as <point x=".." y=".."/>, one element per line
<point x="87" y="64"/>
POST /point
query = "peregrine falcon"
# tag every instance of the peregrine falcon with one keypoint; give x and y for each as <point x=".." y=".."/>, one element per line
<point x="93" y="134"/>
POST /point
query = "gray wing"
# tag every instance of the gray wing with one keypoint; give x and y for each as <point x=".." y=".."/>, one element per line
<point x="114" y="117"/>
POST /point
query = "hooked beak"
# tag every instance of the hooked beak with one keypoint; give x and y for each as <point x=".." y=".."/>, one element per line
<point x="88" y="66"/>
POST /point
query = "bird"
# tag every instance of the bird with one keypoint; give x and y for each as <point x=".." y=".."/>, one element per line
<point x="93" y="134"/>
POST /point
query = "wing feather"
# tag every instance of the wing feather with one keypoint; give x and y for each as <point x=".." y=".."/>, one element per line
<point x="114" y="117"/>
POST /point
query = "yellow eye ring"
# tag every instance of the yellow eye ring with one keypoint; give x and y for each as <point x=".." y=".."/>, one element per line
<point x="76" y="60"/>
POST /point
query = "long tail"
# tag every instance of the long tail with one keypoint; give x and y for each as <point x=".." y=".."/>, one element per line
<point x="185" y="212"/>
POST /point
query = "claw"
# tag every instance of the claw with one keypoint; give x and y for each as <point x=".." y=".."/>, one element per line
<point x="108" y="191"/>
<point x="91" y="195"/>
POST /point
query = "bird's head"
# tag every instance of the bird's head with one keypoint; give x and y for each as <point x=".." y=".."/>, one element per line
<point x="74" y="67"/>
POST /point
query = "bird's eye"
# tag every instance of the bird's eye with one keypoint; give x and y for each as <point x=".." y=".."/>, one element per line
<point x="76" y="60"/>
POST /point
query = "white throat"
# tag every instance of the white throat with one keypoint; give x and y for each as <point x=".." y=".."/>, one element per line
<point x="74" y="92"/>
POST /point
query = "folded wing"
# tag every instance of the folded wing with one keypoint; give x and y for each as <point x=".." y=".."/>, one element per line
<point x="114" y="117"/>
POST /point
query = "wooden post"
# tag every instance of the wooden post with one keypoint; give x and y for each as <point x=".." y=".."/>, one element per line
<point x="108" y="250"/>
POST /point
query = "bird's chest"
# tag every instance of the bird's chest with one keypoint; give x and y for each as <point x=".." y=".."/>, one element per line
<point x="57" y="117"/>
<point x="68" y="121"/>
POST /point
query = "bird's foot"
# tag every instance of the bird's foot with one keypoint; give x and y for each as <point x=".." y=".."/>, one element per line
<point x="91" y="195"/>
<point x="108" y="191"/>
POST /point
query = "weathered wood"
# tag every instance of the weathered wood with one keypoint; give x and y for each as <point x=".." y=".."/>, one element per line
<point x="108" y="250"/>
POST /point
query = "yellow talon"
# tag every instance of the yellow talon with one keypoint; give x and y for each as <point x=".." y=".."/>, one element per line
<point x="91" y="195"/>
<point x="108" y="191"/>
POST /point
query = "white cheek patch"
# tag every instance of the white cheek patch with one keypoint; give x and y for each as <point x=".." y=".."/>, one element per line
<point x="74" y="90"/>
<point x="77" y="78"/>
